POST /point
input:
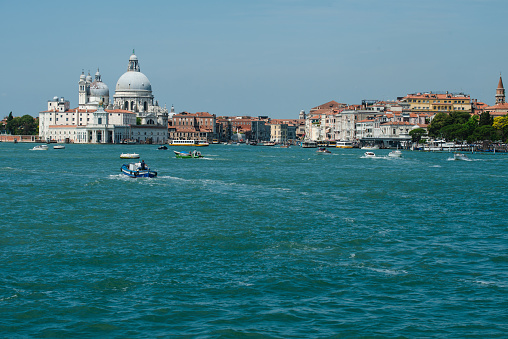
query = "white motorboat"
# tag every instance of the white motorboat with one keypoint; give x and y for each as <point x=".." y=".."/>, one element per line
<point x="370" y="147"/>
<point x="395" y="154"/>
<point x="59" y="147"/>
<point x="369" y="154"/>
<point x="460" y="156"/>
<point x="40" y="148"/>
<point x="129" y="156"/>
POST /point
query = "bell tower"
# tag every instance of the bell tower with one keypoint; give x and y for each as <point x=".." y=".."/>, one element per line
<point x="82" y="89"/>
<point x="500" y="97"/>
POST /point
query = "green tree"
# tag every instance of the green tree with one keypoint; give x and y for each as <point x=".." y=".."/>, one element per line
<point x="417" y="134"/>
<point x="485" y="119"/>
<point x="440" y="120"/>
<point x="25" y="125"/>
<point x="138" y="121"/>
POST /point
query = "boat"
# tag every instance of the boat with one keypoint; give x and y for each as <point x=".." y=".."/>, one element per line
<point x="323" y="150"/>
<point x="215" y="141"/>
<point x="185" y="155"/>
<point x="129" y="156"/>
<point x="309" y="144"/>
<point x="195" y="143"/>
<point x="369" y="154"/>
<point x="59" y="147"/>
<point x="370" y="147"/>
<point x="344" y="144"/>
<point x="40" y="148"/>
<point x="137" y="170"/>
<point x="269" y="143"/>
<point x="162" y="147"/>
<point x="395" y="154"/>
<point x="460" y="156"/>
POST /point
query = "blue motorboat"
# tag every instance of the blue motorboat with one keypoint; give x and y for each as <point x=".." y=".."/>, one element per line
<point x="137" y="170"/>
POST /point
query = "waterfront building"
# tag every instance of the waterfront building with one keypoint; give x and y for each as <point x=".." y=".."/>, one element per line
<point x="260" y="129"/>
<point x="98" y="120"/>
<point x="192" y="126"/>
<point x="278" y="132"/>
<point x="435" y="102"/>
<point x="501" y="107"/>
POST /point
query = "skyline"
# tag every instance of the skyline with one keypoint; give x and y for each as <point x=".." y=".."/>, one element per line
<point x="270" y="58"/>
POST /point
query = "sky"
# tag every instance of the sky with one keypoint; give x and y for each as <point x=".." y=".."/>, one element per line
<point x="263" y="57"/>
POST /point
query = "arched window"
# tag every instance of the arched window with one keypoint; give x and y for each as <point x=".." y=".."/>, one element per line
<point x="126" y="106"/>
<point x="132" y="105"/>
<point x="145" y="106"/>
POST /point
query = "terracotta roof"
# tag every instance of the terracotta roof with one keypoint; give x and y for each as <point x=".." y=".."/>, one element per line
<point x="403" y="123"/>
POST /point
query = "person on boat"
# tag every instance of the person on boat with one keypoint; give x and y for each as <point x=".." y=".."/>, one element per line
<point x="143" y="165"/>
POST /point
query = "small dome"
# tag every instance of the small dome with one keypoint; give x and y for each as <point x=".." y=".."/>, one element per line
<point x="133" y="57"/>
<point x="82" y="77"/>
<point x="89" y="78"/>
<point x="133" y="81"/>
<point x="99" y="89"/>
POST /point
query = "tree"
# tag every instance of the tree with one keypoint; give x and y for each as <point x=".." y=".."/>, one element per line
<point x="26" y="125"/>
<point x="138" y="121"/>
<point x="417" y="134"/>
<point x="501" y="125"/>
<point x="440" y="120"/>
<point x="485" y="119"/>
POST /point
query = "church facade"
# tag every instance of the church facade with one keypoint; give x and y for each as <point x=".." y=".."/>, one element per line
<point x="98" y="119"/>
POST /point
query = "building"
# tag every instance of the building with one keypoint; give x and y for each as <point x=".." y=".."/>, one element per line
<point x="434" y="102"/>
<point x="192" y="126"/>
<point x="501" y="107"/>
<point x="98" y="120"/>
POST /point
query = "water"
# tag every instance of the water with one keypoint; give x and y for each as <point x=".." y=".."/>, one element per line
<point x="252" y="241"/>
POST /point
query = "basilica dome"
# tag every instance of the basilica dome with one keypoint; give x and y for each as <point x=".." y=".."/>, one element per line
<point x="132" y="80"/>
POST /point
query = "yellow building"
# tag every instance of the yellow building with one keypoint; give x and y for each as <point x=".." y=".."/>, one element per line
<point x="424" y="102"/>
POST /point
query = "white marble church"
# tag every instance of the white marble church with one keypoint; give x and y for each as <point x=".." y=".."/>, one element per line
<point x="97" y="119"/>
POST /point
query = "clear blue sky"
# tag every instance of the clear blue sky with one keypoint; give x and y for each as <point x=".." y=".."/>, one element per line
<point x="235" y="57"/>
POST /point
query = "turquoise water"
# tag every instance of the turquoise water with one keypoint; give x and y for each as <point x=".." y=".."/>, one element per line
<point x="252" y="241"/>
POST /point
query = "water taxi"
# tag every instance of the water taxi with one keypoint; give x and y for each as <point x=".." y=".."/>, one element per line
<point x="369" y="155"/>
<point x="137" y="170"/>
<point x="344" y="144"/>
<point x="59" y="147"/>
<point x="195" y="143"/>
<point x="186" y="155"/>
<point x="395" y="154"/>
<point x="40" y="148"/>
<point x="323" y="150"/>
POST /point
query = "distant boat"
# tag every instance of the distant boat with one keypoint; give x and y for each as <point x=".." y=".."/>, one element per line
<point x="395" y="154"/>
<point x="185" y="155"/>
<point x="129" y="156"/>
<point x="369" y="154"/>
<point x="370" y="147"/>
<point x="344" y="144"/>
<point x="309" y="144"/>
<point x="59" y="147"/>
<point x="162" y="147"/>
<point x="40" y="148"/>
<point x="460" y="156"/>
<point x="195" y="143"/>
<point x="323" y="150"/>
<point x="137" y="170"/>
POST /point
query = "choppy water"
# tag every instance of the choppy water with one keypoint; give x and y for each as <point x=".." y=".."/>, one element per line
<point x="252" y="241"/>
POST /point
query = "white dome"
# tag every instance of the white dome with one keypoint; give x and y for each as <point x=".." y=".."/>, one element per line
<point x="133" y="57"/>
<point x="99" y="89"/>
<point x="133" y="81"/>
